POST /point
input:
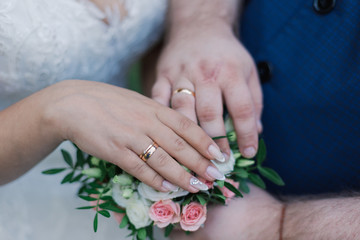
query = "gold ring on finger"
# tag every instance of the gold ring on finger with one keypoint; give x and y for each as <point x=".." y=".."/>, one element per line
<point x="149" y="151"/>
<point x="184" y="90"/>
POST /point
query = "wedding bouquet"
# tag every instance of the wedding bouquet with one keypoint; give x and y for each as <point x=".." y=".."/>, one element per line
<point x="139" y="207"/>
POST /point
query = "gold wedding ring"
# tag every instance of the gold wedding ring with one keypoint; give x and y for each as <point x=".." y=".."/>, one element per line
<point x="184" y="90"/>
<point x="149" y="151"/>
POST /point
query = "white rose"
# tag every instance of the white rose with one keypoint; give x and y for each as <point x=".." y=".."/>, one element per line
<point x="137" y="211"/>
<point x="225" y="167"/>
<point x="118" y="195"/>
<point x="150" y="193"/>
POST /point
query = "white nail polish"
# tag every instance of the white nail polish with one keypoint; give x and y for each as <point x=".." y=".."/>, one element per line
<point x="170" y="186"/>
<point x="216" y="153"/>
<point x="196" y="183"/>
<point x="215" y="173"/>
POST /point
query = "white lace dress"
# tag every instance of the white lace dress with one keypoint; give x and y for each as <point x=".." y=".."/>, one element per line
<point x="46" y="41"/>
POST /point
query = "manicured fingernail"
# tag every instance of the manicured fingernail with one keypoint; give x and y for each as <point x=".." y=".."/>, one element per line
<point x="215" y="173"/>
<point x="249" y="152"/>
<point x="167" y="185"/>
<point x="196" y="183"/>
<point x="216" y="153"/>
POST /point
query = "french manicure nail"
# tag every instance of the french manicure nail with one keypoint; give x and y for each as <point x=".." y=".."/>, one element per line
<point x="216" y="153"/>
<point x="196" y="183"/>
<point x="249" y="152"/>
<point x="170" y="186"/>
<point x="215" y="173"/>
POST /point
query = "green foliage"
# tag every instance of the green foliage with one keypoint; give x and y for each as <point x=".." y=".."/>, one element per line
<point x="168" y="229"/>
<point x="95" y="224"/>
<point x="124" y="222"/>
<point x="53" y="171"/>
<point x="201" y="199"/>
<point x="271" y="175"/>
<point x="256" y="179"/>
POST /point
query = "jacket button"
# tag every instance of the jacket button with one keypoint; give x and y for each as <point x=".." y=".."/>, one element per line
<point x="324" y="6"/>
<point x="265" y="71"/>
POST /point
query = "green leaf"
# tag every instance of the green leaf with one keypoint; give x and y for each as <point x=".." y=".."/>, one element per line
<point x="219" y="137"/>
<point x="256" y="179"/>
<point x="68" y="177"/>
<point x="109" y="206"/>
<point x="186" y="201"/>
<point x="244" y="162"/>
<point x="87" y="207"/>
<point x="261" y="154"/>
<point x="244" y="187"/>
<point x="91" y="191"/>
<point x="271" y="175"/>
<point x="222" y="197"/>
<point x="95" y="222"/>
<point x="106" y="198"/>
<point x="53" y="171"/>
<point x="201" y="199"/>
<point x="77" y="178"/>
<point x="141" y="234"/>
<point x="104" y="213"/>
<point x="233" y="189"/>
<point x="168" y="229"/>
<point x="67" y="157"/>
<point x="220" y="183"/>
<point x="241" y="173"/>
<point x="124" y="222"/>
<point x="80" y="158"/>
<point x="87" y="198"/>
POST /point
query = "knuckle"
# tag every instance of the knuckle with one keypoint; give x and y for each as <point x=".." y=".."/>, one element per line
<point x="139" y="168"/>
<point x="179" y="144"/>
<point x="162" y="160"/>
<point x="248" y="136"/>
<point x="244" y="111"/>
<point x="185" y="123"/>
<point x="207" y="114"/>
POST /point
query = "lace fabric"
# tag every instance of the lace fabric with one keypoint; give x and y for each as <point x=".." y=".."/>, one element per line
<point x="46" y="41"/>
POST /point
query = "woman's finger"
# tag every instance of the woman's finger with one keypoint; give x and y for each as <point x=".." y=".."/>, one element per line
<point x="161" y="91"/>
<point x="257" y="97"/>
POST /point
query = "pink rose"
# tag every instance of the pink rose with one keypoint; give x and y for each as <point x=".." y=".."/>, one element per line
<point x="208" y="183"/>
<point x="164" y="212"/>
<point x="193" y="215"/>
<point x="226" y="192"/>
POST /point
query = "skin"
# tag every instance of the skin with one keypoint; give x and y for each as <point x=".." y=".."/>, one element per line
<point x="258" y="217"/>
<point x="218" y="69"/>
<point x="109" y="122"/>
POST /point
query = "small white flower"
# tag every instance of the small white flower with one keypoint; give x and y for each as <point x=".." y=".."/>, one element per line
<point x="118" y="195"/>
<point x="137" y="211"/>
<point x="123" y="179"/>
<point x="225" y="167"/>
<point x="150" y="193"/>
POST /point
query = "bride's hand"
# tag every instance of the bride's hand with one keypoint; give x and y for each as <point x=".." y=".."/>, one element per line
<point x="117" y="125"/>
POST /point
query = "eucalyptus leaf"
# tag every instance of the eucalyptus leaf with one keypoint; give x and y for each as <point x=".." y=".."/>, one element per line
<point x="168" y="229"/>
<point x="104" y="213"/>
<point x="95" y="222"/>
<point x="67" y="157"/>
<point x="53" y="171"/>
<point x="256" y="179"/>
<point x="141" y="234"/>
<point x="68" y="177"/>
<point x="124" y="222"/>
<point x="271" y="175"/>
<point x="261" y="154"/>
<point x="233" y="189"/>
<point x="106" y="198"/>
<point x="77" y="178"/>
<point x="201" y="199"/>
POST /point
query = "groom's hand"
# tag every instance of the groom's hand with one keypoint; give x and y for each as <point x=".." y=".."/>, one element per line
<point x="203" y="55"/>
<point x="256" y="216"/>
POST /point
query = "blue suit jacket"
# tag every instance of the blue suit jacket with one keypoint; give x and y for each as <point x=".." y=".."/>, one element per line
<point x="312" y="100"/>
